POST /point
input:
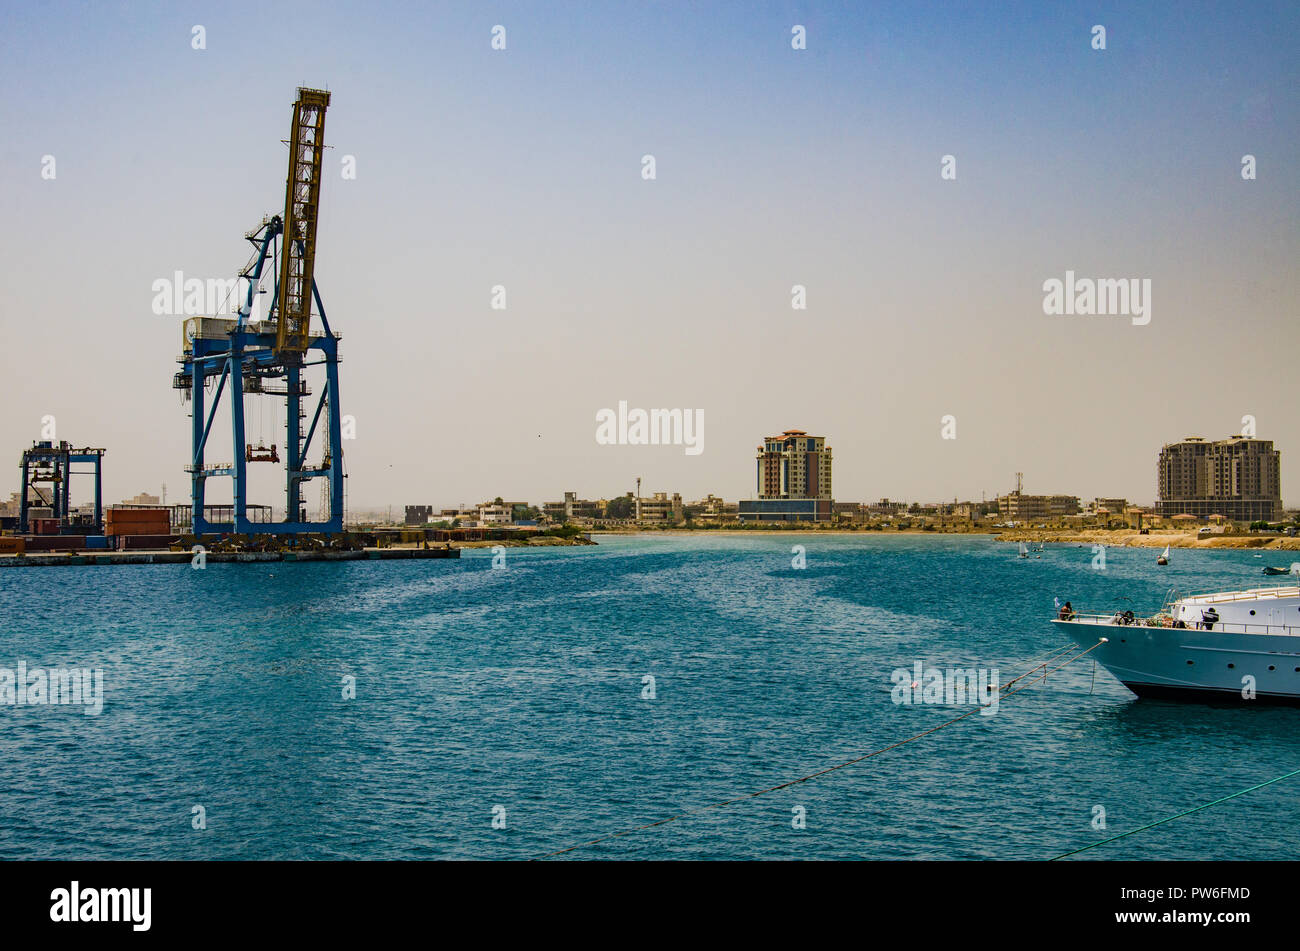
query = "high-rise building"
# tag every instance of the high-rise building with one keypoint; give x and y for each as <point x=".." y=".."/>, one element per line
<point x="794" y="480"/>
<point x="794" y="465"/>
<point x="1238" y="478"/>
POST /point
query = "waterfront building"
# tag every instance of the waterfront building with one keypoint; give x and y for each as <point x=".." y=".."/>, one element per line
<point x="960" y="510"/>
<point x="418" y="514"/>
<point x="573" y="508"/>
<point x="849" y="511"/>
<point x="794" y="465"/>
<point x="1019" y="507"/>
<point x="794" y="480"/>
<point x="459" y="517"/>
<point x="1238" y="478"/>
<point x="711" y="509"/>
<point x="784" y="510"/>
<point x="495" y="513"/>
<point x="661" y="508"/>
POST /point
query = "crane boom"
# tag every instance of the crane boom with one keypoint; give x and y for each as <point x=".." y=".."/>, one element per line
<point x="301" y="209"/>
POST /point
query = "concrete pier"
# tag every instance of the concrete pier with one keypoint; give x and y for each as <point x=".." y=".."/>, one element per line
<point x="50" y="559"/>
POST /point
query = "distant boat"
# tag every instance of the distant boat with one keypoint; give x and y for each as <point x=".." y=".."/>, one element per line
<point x="1024" y="552"/>
<point x="1164" y="557"/>
<point x="1293" y="570"/>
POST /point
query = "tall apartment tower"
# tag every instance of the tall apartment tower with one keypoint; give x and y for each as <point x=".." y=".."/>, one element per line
<point x="794" y="465"/>
<point x="1238" y="478"/>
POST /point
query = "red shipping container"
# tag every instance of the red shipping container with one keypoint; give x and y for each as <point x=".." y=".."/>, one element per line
<point x="137" y="527"/>
<point x="56" y="543"/>
<point x="145" y="542"/>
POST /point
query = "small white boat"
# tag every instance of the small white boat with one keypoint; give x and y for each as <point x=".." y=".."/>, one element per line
<point x="1024" y="551"/>
<point x="1164" y="557"/>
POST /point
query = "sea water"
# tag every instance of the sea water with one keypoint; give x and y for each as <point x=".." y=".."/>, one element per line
<point x="452" y="709"/>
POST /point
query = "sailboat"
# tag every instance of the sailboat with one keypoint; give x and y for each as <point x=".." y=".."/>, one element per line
<point x="1024" y="552"/>
<point x="1164" y="557"/>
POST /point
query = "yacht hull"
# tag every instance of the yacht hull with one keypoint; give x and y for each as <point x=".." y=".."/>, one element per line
<point x="1199" y="666"/>
<point x="1202" y="695"/>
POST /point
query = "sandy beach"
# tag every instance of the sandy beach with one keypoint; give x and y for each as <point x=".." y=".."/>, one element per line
<point x="1157" y="539"/>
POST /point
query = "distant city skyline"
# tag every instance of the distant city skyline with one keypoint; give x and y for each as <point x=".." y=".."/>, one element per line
<point x="1018" y="483"/>
<point x="857" y="238"/>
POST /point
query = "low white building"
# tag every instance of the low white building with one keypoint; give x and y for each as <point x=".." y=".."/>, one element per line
<point x="495" y="513"/>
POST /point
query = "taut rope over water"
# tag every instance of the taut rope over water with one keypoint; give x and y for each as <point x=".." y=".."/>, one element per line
<point x="1152" y="825"/>
<point x="1066" y="651"/>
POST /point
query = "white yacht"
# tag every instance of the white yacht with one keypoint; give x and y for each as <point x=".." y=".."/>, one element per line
<point x="1232" y="645"/>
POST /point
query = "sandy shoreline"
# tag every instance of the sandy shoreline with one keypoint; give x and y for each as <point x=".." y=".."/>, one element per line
<point x="1157" y="539"/>
<point x="1124" y="537"/>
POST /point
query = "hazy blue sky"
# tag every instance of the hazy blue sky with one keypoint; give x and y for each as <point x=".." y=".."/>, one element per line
<point x="775" y="167"/>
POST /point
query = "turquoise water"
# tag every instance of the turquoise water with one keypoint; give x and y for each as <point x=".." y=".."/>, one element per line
<point x="522" y="688"/>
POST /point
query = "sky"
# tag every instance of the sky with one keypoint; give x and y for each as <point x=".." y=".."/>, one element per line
<point x="773" y="167"/>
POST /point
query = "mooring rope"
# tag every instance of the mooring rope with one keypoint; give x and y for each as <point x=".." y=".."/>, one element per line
<point x="1152" y="825"/>
<point x="1070" y="656"/>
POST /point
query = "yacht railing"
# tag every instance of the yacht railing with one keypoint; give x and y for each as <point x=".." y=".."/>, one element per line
<point x="1217" y="627"/>
<point x="1171" y="598"/>
<point x="1247" y="594"/>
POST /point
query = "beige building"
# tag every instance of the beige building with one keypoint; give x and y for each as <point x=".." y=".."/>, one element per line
<point x="144" y="498"/>
<point x="495" y="513"/>
<point x="1020" y="507"/>
<point x="660" y="508"/>
<point x="794" y="465"/>
<point x="572" y="507"/>
<point x="713" y="509"/>
<point x="1238" y="478"/>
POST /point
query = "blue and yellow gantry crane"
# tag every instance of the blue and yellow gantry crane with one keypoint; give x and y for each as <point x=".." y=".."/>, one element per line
<point x="242" y="355"/>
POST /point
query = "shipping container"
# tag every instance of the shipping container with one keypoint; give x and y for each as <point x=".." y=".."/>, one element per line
<point x="137" y="528"/>
<point x="137" y="522"/>
<point x="145" y="542"/>
<point x="56" y="543"/>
